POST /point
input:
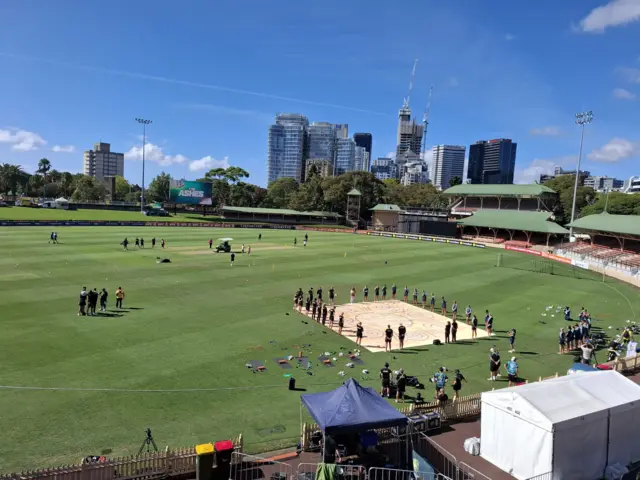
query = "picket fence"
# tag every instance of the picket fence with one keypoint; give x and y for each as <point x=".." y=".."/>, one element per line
<point x="147" y="466"/>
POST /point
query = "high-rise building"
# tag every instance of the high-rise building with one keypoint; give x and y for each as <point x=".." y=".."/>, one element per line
<point x="559" y="172"/>
<point x="101" y="162"/>
<point x="384" y="168"/>
<point x="287" y="147"/>
<point x="322" y="138"/>
<point x="364" y="140"/>
<point x="603" y="183"/>
<point x="361" y="163"/>
<point x="409" y="133"/>
<point x="447" y="162"/>
<point x="342" y="130"/>
<point x="323" y="167"/>
<point x="414" y="172"/>
<point x="492" y="161"/>
<point x="345" y="155"/>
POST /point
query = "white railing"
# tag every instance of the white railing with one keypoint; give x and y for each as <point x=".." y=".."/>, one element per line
<point x="252" y="467"/>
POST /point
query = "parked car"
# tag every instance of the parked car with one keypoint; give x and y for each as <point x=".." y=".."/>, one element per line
<point x="157" y="212"/>
<point x="3" y="204"/>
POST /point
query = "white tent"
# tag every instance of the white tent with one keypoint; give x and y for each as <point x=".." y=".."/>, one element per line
<point x="573" y="426"/>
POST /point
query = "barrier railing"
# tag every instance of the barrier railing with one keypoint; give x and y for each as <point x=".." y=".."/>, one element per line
<point x="544" y="476"/>
<point x="441" y="460"/>
<point x="307" y="471"/>
<point x="395" y="474"/>
<point x="252" y="467"/>
<point x="147" y="466"/>
<point x="467" y="472"/>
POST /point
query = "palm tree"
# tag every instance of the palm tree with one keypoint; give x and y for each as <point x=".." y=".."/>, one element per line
<point x="10" y="177"/>
<point x="44" y="165"/>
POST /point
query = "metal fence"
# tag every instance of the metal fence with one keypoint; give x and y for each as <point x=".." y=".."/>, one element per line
<point x="252" y="467"/>
<point x="394" y="474"/>
<point x="307" y="471"/>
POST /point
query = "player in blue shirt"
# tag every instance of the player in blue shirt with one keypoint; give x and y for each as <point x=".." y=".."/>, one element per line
<point x="444" y="307"/>
<point x="394" y="289"/>
<point x="468" y="313"/>
<point x="432" y="302"/>
<point x="512" y="371"/>
<point x="424" y="299"/>
<point x="406" y="293"/>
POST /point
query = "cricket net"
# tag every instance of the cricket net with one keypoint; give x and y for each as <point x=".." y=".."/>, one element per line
<point x="546" y="266"/>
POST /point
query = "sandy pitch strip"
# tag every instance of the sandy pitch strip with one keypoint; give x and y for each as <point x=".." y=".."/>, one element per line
<point x="423" y="326"/>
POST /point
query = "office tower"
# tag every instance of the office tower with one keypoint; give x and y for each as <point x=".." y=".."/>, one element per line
<point x="323" y="167"/>
<point x="345" y="155"/>
<point x="322" y="139"/>
<point x="101" y="162"/>
<point x="361" y="159"/>
<point x="364" y="140"/>
<point x="409" y="133"/>
<point x="384" y="168"/>
<point x="287" y="147"/>
<point x="414" y="172"/>
<point x="603" y="183"/>
<point x="447" y="162"/>
<point x="342" y="130"/>
<point x="559" y="172"/>
<point x="492" y="161"/>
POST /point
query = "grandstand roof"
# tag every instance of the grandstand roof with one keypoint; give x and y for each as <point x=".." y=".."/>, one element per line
<point x="278" y="211"/>
<point x="386" y="207"/>
<point x="606" y="222"/>
<point x="482" y="190"/>
<point x="514" y="220"/>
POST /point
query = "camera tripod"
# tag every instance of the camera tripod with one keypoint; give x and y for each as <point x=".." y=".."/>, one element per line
<point x="148" y="442"/>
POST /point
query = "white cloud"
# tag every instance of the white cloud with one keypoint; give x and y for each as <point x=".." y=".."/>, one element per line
<point x="508" y="37"/>
<point x="207" y="163"/>
<point x="63" y="148"/>
<point x="548" y="131"/>
<point x="155" y="153"/>
<point x="624" y="94"/>
<point x="539" y="166"/>
<point x="630" y="74"/>
<point x="613" y="14"/>
<point x="21" y="140"/>
<point x="615" y="150"/>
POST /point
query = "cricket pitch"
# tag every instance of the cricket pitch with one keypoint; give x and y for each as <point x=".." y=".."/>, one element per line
<point x="423" y="326"/>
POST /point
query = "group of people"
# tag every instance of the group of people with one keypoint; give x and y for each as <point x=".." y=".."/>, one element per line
<point x="139" y="243"/>
<point x="511" y="367"/>
<point x="88" y="301"/>
<point x="53" y="237"/>
<point x="577" y="336"/>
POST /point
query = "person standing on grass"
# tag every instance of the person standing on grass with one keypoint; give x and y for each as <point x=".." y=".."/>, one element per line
<point x="55" y="237"/>
<point x="104" y="295"/>
<point x="415" y="296"/>
<point x="153" y="242"/>
<point x="163" y="243"/>
<point x="92" y="297"/>
<point x="468" y="313"/>
<point x="259" y="236"/>
<point x="444" y="307"/>
<point x="512" y="340"/>
<point x="137" y="242"/>
<point x="384" y="291"/>
<point x="440" y="379"/>
<point x="587" y="353"/>
<point x="385" y="377"/>
<point x="512" y="371"/>
<point x="319" y="293"/>
<point x="454" y="310"/>
<point x="376" y="293"/>
<point x="295" y="241"/>
<point x="233" y="255"/>
<point x="82" y="302"/>
<point x="341" y="324"/>
<point x="359" y="331"/>
<point x="352" y="295"/>
<point x="119" y="297"/>
<point x="401" y="385"/>
<point x="474" y="327"/>
<point x="249" y="250"/>
<point x="324" y="314"/>
<point x="562" y="341"/>
<point x="494" y="363"/>
<point x="488" y="323"/>
<point x="405" y="295"/>
<point x="394" y="290"/>
<point x="447" y="332"/>
<point x="365" y="293"/>
<point x="569" y="338"/>
<point x="141" y="242"/>
<point x="332" y="296"/>
<point x="125" y="243"/>
<point x="454" y="330"/>
<point x="314" y="309"/>
<point x="402" y="331"/>
<point x="51" y="238"/>
<point x="211" y="243"/>
<point x="457" y="384"/>
<point x="432" y="302"/>
<point x="388" y="336"/>
<point x="332" y="317"/>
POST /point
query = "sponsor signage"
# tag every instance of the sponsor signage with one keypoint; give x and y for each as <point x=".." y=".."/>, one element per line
<point x="98" y="223"/>
<point x="429" y="239"/>
<point x="557" y="258"/>
<point x="190" y="193"/>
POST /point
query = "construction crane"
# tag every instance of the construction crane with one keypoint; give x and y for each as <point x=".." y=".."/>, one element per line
<point x="413" y="74"/>
<point x="425" y="122"/>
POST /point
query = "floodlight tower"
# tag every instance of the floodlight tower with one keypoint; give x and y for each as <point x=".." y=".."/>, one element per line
<point x="582" y="119"/>
<point x="144" y="123"/>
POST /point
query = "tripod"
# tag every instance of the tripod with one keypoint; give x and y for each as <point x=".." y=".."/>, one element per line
<point x="148" y="442"/>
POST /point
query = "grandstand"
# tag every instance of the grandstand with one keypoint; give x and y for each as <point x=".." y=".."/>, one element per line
<point x="613" y="241"/>
<point x="468" y="198"/>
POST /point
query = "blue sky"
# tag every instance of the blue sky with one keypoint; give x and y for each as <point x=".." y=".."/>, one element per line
<point x="212" y="74"/>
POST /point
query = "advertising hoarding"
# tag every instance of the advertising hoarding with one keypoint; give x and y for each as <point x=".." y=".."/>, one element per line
<point x="190" y="193"/>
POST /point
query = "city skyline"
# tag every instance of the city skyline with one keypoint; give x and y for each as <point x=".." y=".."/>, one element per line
<point x="214" y="111"/>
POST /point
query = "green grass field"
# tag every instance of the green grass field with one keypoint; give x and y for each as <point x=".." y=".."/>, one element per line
<point x="27" y="213"/>
<point x="190" y="326"/>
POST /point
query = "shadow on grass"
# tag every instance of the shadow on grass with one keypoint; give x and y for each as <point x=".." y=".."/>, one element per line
<point x="110" y="315"/>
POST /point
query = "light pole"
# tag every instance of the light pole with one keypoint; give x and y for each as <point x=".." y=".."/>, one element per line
<point x="582" y="119"/>
<point x="144" y="141"/>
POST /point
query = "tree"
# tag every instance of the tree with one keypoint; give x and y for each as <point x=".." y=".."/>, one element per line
<point x="617" y="203"/>
<point x="336" y="189"/>
<point x="280" y="192"/>
<point x="122" y="188"/>
<point x="158" y="189"/>
<point x="310" y="196"/>
<point x="88" y="189"/>
<point x="36" y="182"/>
<point x="10" y="177"/>
<point x="564" y="185"/>
<point x="234" y="174"/>
<point x="67" y="184"/>
<point x="44" y="165"/>
<point x="455" y="181"/>
<point x="214" y="173"/>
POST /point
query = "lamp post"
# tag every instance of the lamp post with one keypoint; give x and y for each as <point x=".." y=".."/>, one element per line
<point x="582" y="119"/>
<point x="144" y="141"/>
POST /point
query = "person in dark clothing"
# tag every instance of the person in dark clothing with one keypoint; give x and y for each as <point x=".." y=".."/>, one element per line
<point x="394" y="290"/>
<point x="359" y="332"/>
<point x="319" y="293"/>
<point x="141" y="242"/>
<point x="388" y="336"/>
<point x="259" y="236"/>
<point x="324" y="314"/>
<point x="332" y="316"/>
<point x="332" y="295"/>
<point x="402" y="331"/>
<point x="457" y="384"/>
<point x="93" y="301"/>
<point x="125" y="244"/>
<point x="401" y="385"/>
<point x="82" y="302"/>
<point x="104" y="295"/>
<point x="454" y="330"/>
<point x="447" y="332"/>
<point x="385" y="376"/>
<point x="233" y="256"/>
<point x="153" y="242"/>
<point x="384" y="292"/>
<point x="211" y="243"/>
<point x="443" y="398"/>
<point x="341" y="325"/>
<point x="137" y="242"/>
<point x="307" y="305"/>
<point x="314" y="309"/>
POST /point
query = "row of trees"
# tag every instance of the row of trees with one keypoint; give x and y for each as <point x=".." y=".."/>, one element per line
<point x="230" y="187"/>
